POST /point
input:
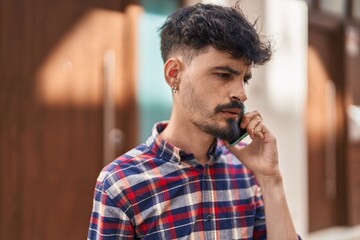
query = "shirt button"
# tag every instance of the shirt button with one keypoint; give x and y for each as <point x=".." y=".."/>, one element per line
<point x="209" y="217"/>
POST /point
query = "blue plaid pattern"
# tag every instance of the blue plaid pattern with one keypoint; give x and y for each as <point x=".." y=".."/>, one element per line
<point x="158" y="191"/>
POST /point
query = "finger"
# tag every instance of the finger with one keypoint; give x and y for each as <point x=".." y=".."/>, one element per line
<point x="248" y="117"/>
<point x="259" y="131"/>
<point x="262" y="133"/>
<point x="252" y="125"/>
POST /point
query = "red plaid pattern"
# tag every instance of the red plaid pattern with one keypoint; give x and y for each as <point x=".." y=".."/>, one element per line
<point x="157" y="191"/>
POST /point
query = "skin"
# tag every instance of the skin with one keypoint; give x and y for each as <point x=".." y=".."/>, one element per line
<point x="215" y="78"/>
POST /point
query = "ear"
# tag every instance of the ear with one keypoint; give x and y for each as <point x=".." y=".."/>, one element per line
<point x="172" y="70"/>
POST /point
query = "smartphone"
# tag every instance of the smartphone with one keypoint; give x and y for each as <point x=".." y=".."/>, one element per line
<point x="243" y="133"/>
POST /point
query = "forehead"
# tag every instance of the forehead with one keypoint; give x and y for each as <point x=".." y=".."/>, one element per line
<point x="212" y="57"/>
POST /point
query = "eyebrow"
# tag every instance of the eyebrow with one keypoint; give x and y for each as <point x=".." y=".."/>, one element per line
<point x="232" y="71"/>
<point x="227" y="69"/>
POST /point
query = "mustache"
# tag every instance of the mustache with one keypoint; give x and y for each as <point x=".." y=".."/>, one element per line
<point x="233" y="104"/>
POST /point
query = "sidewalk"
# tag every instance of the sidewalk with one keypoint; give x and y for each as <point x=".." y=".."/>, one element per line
<point x="337" y="233"/>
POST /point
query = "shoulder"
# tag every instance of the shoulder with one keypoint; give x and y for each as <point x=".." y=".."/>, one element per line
<point x="132" y="171"/>
<point x="125" y="165"/>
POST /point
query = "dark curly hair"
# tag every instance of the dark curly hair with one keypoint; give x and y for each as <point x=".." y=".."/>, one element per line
<point x="192" y="29"/>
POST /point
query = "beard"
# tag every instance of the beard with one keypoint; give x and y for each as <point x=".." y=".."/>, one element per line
<point x="208" y="121"/>
<point x="231" y="131"/>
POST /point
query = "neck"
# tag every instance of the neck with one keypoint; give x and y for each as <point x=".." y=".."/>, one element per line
<point x="185" y="135"/>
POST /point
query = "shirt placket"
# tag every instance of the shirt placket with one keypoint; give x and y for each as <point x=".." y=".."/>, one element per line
<point x="208" y="204"/>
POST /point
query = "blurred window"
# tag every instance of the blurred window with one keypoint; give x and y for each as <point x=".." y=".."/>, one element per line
<point x="356" y="9"/>
<point x="336" y="7"/>
<point x="310" y="3"/>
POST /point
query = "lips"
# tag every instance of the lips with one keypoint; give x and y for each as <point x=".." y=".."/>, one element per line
<point x="234" y="111"/>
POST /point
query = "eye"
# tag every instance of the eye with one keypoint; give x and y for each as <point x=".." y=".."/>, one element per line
<point x="247" y="79"/>
<point x="224" y="75"/>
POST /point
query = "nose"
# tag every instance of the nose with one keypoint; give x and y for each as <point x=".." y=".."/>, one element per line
<point x="238" y="96"/>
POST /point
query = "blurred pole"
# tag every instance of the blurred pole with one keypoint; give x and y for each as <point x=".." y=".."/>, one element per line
<point x="113" y="138"/>
<point x="330" y="164"/>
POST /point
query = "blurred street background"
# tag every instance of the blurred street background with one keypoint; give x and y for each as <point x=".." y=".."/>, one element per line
<point x="81" y="82"/>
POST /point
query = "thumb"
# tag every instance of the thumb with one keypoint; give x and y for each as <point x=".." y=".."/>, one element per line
<point x="237" y="149"/>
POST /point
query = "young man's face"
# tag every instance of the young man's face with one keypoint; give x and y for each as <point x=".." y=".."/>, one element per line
<point x="211" y="92"/>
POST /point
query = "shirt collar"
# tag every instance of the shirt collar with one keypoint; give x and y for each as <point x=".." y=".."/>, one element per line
<point x="173" y="154"/>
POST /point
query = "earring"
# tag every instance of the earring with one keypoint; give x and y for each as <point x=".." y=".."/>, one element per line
<point x="174" y="89"/>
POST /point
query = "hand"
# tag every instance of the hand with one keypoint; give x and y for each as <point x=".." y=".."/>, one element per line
<point x="261" y="155"/>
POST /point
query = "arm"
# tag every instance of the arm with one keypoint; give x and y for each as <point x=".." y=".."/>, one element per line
<point x="279" y="224"/>
<point x="261" y="157"/>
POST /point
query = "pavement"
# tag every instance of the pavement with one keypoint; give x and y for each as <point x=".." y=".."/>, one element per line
<point x="336" y="233"/>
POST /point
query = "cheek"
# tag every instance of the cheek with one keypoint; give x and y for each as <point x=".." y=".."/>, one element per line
<point x="193" y="100"/>
<point x="198" y="97"/>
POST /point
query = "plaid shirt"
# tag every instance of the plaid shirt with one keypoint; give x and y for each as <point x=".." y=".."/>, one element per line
<point x="157" y="191"/>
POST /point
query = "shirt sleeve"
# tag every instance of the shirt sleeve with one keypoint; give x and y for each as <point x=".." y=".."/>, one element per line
<point x="108" y="220"/>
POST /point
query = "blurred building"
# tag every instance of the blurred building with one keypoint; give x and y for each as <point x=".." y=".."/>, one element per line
<point x="333" y="121"/>
<point x="81" y="83"/>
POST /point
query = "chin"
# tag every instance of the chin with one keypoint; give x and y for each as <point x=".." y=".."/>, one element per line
<point x="228" y="131"/>
<point x="232" y="130"/>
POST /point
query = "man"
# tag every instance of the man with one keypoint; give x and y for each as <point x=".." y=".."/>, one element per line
<point x="187" y="181"/>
